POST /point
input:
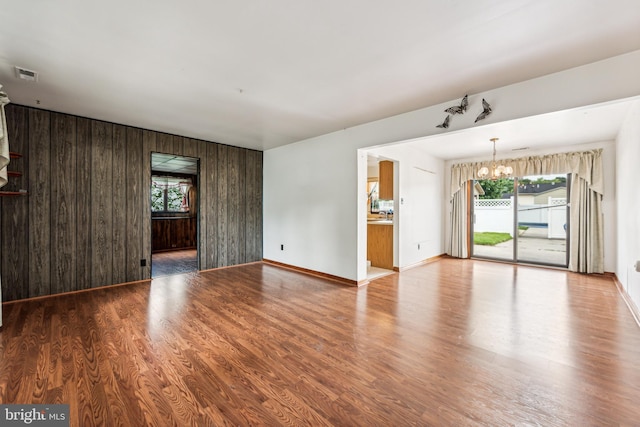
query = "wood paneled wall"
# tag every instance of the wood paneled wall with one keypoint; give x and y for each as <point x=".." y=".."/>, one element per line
<point x="169" y="234"/>
<point x="86" y="221"/>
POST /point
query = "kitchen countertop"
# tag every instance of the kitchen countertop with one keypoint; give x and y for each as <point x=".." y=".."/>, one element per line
<point x="380" y="221"/>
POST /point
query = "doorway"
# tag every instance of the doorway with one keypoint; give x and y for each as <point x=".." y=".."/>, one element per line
<point x="523" y="219"/>
<point x="174" y="214"/>
<point x="381" y="233"/>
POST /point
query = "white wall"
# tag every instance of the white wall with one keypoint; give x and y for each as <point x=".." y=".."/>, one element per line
<point x="628" y="206"/>
<point x="608" y="199"/>
<point x="312" y="189"/>
<point x="310" y="193"/>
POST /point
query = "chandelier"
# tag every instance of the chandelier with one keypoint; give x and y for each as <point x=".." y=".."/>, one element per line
<point x="497" y="171"/>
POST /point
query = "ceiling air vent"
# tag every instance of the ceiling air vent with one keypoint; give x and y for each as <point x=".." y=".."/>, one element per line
<point x="28" y="75"/>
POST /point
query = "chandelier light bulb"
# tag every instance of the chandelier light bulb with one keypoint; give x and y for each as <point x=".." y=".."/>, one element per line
<point x="499" y="171"/>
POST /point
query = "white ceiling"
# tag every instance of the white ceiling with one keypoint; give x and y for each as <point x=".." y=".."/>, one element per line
<point x="260" y="74"/>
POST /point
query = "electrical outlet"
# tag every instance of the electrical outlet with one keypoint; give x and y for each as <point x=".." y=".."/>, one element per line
<point x="282" y="247"/>
<point x="638" y="266"/>
<point x="418" y="246"/>
<point x="143" y="263"/>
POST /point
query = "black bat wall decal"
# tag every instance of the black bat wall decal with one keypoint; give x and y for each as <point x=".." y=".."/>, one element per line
<point x="445" y="124"/>
<point x="459" y="109"/>
<point x="485" y="112"/>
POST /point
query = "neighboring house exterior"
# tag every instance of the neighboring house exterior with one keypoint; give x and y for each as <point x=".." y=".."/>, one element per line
<point x="477" y="190"/>
<point x="538" y="194"/>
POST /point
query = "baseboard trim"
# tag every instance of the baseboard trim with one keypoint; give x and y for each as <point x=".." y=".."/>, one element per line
<point x="79" y="291"/>
<point x="419" y="263"/>
<point x="309" y="272"/>
<point x="633" y="308"/>
<point x="223" y="267"/>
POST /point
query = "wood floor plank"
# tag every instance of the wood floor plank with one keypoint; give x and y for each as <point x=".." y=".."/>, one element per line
<point x="454" y="342"/>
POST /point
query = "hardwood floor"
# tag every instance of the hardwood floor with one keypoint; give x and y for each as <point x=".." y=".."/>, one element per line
<point x="454" y="342"/>
<point x="174" y="262"/>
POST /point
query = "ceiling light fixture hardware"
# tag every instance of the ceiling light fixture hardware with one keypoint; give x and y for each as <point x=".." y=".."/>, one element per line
<point x="497" y="171"/>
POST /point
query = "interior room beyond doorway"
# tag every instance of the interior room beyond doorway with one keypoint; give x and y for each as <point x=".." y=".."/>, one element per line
<point x="174" y="214"/>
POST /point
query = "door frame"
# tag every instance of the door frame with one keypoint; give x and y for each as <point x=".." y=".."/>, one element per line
<point x="198" y="218"/>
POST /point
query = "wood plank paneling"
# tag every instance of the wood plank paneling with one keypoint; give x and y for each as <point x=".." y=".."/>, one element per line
<point x="87" y="220"/>
<point x="221" y="206"/>
<point x="148" y="146"/>
<point x="253" y="206"/>
<point x="83" y="200"/>
<point x="185" y="234"/>
<point x="173" y="233"/>
<point x="14" y="263"/>
<point x="119" y="197"/>
<point x="39" y="281"/>
<point x="63" y="206"/>
<point x="256" y="208"/>
<point x="205" y="243"/>
<point x="164" y="143"/>
<point x="178" y="146"/>
<point x="191" y="148"/>
<point x="241" y="190"/>
<point x="235" y="206"/>
<point x="160" y="235"/>
<point x="134" y="197"/>
<point x="102" y="203"/>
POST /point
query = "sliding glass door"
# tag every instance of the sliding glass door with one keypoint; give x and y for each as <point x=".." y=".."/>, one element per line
<point x="523" y="219"/>
<point x="493" y="216"/>
<point x="543" y="220"/>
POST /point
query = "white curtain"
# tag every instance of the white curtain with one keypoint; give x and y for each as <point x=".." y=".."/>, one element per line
<point x="184" y="189"/>
<point x="4" y="161"/>
<point x="586" y="236"/>
<point x="458" y="243"/>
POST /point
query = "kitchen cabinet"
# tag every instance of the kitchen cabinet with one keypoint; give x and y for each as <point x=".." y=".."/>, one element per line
<point x="385" y="185"/>
<point x="380" y="244"/>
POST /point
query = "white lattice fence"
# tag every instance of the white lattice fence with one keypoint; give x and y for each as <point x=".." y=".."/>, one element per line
<point x="492" y="203"/>
<point x="493" y="215"/>
<point x="557" y="218"/>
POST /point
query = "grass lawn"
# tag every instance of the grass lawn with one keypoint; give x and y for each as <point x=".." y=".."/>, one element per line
<point x="489" y="238"/>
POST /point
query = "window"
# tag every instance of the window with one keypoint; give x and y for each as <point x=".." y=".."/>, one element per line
<point x="170" y="194"/>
